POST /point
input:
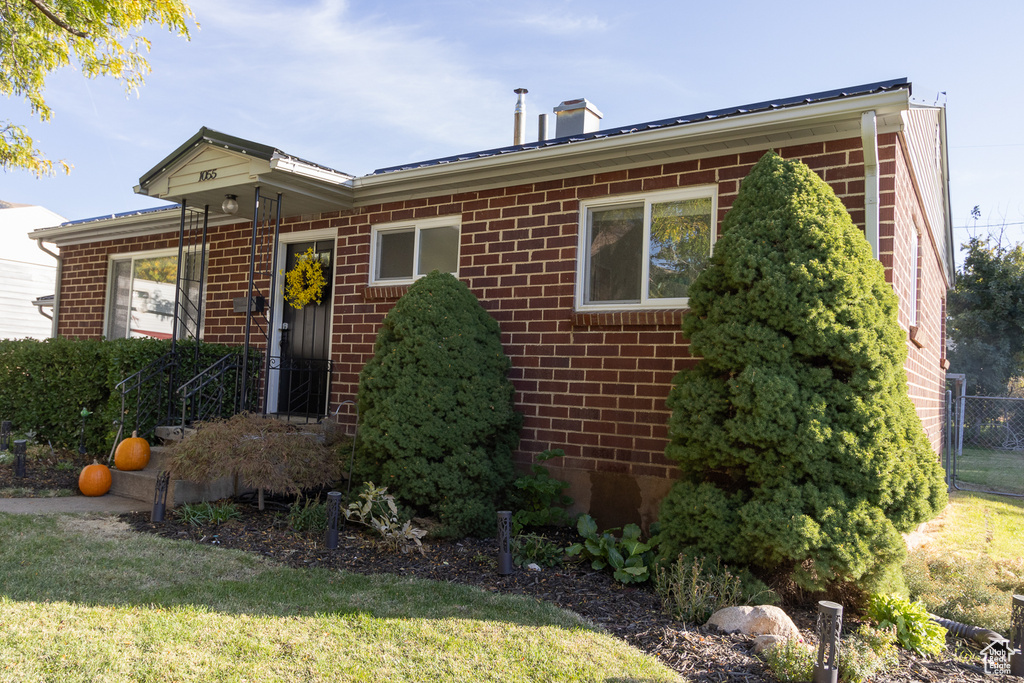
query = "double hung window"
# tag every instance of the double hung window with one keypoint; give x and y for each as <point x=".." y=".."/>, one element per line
<point x="403" y="252"/>
<point x="644" y="250"/>
<point x="141" y="294"/>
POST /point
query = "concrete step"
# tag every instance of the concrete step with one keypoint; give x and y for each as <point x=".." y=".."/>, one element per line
<point x="141" y="484"/>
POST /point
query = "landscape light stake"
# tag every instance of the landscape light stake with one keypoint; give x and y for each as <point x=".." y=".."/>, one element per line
<point x="19" y="458"/>
<point x="830" y="624"/>
<point x="505" y="542"/>
<point x="5" y="434"/>
<point x="163" y="482"/>
<point x="81" y="444"/>
<point x="333" y="510"/>
<point x="1017" y="636"/>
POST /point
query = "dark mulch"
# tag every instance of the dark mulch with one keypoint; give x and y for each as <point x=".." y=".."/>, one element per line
<point x="631" y="613"/>
<point x="42" y="472"/>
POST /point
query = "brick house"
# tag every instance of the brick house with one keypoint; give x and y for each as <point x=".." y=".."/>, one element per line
<point x="552" y="236"/>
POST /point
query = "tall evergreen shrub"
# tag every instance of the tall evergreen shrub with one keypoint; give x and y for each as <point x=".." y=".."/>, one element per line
<point x="798" y="446"/>
<point x="437" y="421"/>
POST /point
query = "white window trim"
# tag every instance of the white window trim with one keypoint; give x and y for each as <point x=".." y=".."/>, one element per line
<point x="454" y="221"/>
<point x="153" y="253"/>
<point x="647" y="198"/>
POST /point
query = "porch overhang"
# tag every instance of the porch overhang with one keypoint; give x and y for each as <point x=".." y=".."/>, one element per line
<point x="211" y="165"/>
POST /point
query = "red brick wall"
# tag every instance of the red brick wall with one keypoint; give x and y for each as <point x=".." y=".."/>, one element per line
<point x="593" y="384"/>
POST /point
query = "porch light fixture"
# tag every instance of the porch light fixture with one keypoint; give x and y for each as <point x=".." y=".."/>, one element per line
<point x="230" y="204"/>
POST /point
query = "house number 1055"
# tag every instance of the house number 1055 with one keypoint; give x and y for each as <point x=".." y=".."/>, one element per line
<point x="209" y="174"/>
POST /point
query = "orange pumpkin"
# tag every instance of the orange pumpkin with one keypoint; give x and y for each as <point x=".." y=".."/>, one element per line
<point x="94" y="479"/>
<point x="132" y="453"/>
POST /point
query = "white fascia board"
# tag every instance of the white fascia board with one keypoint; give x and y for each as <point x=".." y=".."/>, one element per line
<point x="116" y="227"/>
<point x="721" y="132"/>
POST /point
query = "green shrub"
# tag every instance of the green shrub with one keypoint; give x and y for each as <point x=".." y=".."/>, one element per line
<point x="866" y="653"/>
<point x="437" y="421"/>
<point x="798" y="447"/>
<point x="44" y="385"/>
<point x="311" y="515"/>
<point x="198" y="514"/>
<point x="264" y="453"/>
<point x="631" y="559"/>
<point x="537" y="549"/>
<point x="791" y="661"/>
<point x="692" y="589"/>
<point x="540" y="500"/>
<point x="915" y="630"/>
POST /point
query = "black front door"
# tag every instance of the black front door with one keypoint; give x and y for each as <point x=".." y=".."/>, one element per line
<point x="305" y="366"/>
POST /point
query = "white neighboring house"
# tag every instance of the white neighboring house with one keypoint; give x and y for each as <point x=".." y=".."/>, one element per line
<point x="27" y="274"/>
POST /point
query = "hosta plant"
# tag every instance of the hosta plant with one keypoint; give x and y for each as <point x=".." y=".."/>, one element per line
<point x="629" y="557"/>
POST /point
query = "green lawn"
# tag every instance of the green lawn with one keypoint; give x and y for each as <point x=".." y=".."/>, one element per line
<point x="990" y="469"/>
<point x="80" y="601"/>
<point x="972" y="569"/>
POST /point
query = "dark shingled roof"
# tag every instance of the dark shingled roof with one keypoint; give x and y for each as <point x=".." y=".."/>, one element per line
<point x="786" y="102"/>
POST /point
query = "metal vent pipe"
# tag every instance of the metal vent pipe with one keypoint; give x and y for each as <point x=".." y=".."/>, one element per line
<point x="519" y="135"/>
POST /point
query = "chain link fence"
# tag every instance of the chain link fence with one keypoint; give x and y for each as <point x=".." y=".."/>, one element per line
<point x="985" y="443"/>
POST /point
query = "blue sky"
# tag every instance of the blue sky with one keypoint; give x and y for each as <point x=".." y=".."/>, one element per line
<point x="361" y="85"/>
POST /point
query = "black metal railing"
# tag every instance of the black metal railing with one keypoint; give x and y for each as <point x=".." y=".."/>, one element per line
<point x="216" y="391"/>
<point x="145" y="396"/>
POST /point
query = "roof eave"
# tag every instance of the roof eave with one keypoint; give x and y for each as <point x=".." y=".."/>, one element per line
<point x="735" y="133"/>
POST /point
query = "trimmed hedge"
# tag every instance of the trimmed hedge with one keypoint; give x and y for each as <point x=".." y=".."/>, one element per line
<point x="44" y="385"/>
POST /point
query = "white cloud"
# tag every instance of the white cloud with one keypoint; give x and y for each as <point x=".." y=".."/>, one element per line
<point x="564" y="24"/>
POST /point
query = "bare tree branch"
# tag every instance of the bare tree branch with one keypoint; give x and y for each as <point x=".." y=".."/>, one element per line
<point x="57" y="20"/>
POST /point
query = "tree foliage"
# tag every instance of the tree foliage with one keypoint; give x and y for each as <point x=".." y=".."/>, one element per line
<point x="38" y="37"/>
<point x="986" y="317"/>
<point x="437" y="420"/>
<point x="797" y="444"/>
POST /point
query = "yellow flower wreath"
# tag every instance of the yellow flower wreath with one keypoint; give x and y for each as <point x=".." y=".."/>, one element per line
<point x="305" y="282"/>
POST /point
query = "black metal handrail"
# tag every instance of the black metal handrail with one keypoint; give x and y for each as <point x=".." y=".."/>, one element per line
<point x="150" y="404"/>
<point x="215" y="391"/>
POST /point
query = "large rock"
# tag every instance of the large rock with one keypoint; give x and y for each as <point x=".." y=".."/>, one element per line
<point x="755" y="621"/>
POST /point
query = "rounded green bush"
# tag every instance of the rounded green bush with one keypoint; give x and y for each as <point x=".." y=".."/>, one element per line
<point x="437" y="419"/>
<point x="798" y="446"/>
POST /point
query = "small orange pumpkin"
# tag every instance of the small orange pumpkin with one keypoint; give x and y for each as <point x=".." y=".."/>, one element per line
<point x="94" y="479"/>
<point x="132" y="453"/>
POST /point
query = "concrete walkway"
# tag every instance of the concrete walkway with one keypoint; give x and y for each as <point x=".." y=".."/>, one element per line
<point x="72" y="504"/>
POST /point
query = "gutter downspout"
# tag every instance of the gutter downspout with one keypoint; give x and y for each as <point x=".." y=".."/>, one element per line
<point x="869" y="141"/>
<point x="56" y="289"/>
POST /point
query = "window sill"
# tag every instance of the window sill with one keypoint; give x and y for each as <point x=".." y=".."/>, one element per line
<point x="374" y="293"/>
<point x="913" y="336"/>
<point x="647" y="318"/>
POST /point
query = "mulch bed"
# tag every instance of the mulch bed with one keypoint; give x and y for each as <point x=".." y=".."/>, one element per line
<point x="628" y="612"/>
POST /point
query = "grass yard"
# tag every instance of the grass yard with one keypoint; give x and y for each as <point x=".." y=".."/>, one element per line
<point x="991" y="469"/>
<point x="85" y="600"/>
<point x="971" y="570"/>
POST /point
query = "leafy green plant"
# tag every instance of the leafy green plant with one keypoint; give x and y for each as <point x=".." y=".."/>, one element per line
<point x="692" y="589"/>
<point x="799" y="451"/>
<point x="629" y="557"/>
<point x="266" y="454"/>
<point x="198" y="514"/>
<point x="376" y="509"/>
<point x="311" y="515"/>
<point x="536" y="548"/>
<point x="791" y="662"/>
<point x="437" y="417"/>
<point x="866" y="653"/>
<point x="541" y="499"/>
<point x="915" y="630"/>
